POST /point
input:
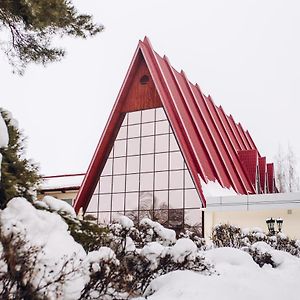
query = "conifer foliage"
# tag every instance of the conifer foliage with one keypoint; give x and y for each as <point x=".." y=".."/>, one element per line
<point x="19" y="176"/>
<point x="31" y="25"/>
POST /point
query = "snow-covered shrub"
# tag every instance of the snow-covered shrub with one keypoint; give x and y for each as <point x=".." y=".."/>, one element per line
<point x="25" y="273"/>
<point x="226" y="235"/>
<point x="192" y="235"/>
<point x="51" y="262"/>
<point x="86" y="232"/>
<point x="141" y="256"/>
<point x="153" y="231"/>
<point x="252" y="240"/>
<point x="261" y="254"/>
<point x="114" y="262"/>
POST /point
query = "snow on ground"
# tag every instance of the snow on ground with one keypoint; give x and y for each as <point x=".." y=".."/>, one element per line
<point x="214" y="189"/>
<point x="239" y="278"/>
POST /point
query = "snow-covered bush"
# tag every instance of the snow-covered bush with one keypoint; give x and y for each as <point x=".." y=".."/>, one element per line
<point x="226" y="235"/>
<point x="192" y="235"/>
<point x="153" y="231"/>
<point x="42" y="259"/>
<point x="69" y="258"/>
<point x="139" y="256"/>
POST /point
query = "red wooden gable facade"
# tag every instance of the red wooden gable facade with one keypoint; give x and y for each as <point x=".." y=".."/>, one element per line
<point x="213" y="145"/>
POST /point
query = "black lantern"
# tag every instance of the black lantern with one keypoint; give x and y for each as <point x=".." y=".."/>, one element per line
<point x="279" y="223"/>
<point x="271" y="224"/>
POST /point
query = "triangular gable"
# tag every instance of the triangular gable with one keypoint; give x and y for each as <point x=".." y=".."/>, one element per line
<point x="208" y="138"/>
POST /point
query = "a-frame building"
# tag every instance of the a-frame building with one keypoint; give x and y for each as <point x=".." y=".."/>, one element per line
<point x="163" y="141"/>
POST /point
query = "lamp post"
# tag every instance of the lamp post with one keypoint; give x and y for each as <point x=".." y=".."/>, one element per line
<point x="279" y="223"/>
<point x="271" y="225"/>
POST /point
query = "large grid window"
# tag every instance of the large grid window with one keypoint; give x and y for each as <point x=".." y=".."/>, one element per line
<point x="146" y="176"/>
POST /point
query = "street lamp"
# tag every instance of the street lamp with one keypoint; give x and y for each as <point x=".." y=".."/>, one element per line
<point x="279" y="223"/>
<point x="271" y="224"/>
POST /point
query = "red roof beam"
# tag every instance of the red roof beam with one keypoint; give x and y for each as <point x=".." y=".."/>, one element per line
<point x="271" y="177"/>
<point x="263" y="173"/>
<point x="249" y="161"/>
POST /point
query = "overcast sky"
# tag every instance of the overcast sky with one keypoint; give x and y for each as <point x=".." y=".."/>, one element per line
<point x="245" y="54"/>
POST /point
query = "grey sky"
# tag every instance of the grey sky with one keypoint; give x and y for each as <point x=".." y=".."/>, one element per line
<point x="245" y="54"/>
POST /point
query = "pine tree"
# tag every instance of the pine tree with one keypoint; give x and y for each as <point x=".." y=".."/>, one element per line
<point x="19" y="176"/>
<point x="31" y="25"/>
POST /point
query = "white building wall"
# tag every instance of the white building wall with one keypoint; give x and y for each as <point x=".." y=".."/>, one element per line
<point x="252" y="211"/>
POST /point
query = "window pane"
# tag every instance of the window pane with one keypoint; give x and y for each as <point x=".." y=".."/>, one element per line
<point x="93" y="205"/>
<point x="134" y="131"/>
<point x="176" y="161"/>
<point x="146" y="214"/>
<point x="148" y="129"/>
<point x="148" y="115"/>
<point x="160" y="114"/>
<point x="147" y="182"/>
<point x="97" y="188"/>
<point x="147" y="144"/>
<point x="131" y="201"/>
<point x="134" y="117"/>
<point x="161" y="161"/>
<point x="176" y="179"/>
<point x="147" y="162"/>
<point x="146" y="200"/>
<point x="173" y="143"/>
<point x="176" y="199"/>
<point x="161" y="180"/>
<point x="119" y="165"/>
<point x="132" y="183"/>
<point x="161" y="216"/>
<point x="120" y="148"/>
<point x="104" y="218"/>
<point x="132" y="215"/>
<point x="193" y="218"/>
<point x="125" y="120"/>
<point x="115" y="216"/>
<point x="176" y="218"/>
<point x="107" y="168"/>
<point x="161" y="200"/>
<point x="122" y="133"/>
<point x="162" y="127"/>
<point x="133" y="163"/>
<point x="118" y="202"/>
<point x="192" y="199"/>
<point x="105" y="184"/>
<point x="119" y="183"/>
<point x="188" y="180"/>
<point x="105" y="203"/>
<point x="133" y="146"/>
<point x="162" y="143"/>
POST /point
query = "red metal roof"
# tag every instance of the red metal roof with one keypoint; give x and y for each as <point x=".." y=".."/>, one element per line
<point x="211" y="141"/>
